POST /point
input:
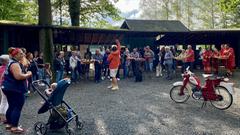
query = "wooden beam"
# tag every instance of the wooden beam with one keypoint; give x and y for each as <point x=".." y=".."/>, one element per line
<point x="5" y="41"/>
<point x="108" y="35"/>
<point x="91" y="39"/>
<point x="100" y="38"/>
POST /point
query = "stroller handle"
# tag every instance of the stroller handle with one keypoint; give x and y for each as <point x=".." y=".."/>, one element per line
<point x="34" y="83"/>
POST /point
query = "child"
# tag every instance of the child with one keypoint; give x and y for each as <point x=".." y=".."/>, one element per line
<point x="48" y="73"/>
<point x="4" y="59"/>
<point x="51" y="89"/>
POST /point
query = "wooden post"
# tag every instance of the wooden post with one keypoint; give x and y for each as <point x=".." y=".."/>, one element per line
<point x="237" y="50"/>
<point x="5" y="41"/>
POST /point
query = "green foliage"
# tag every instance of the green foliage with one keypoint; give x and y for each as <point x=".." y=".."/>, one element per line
<point x="16" y="10"/>
<point x="97" y="11"/>
<point x="195" y="14"/>
<point x="231" y="11"/>
<point x="93" y="13"/>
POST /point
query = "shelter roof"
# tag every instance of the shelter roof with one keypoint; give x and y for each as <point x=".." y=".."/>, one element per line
<point x="154" y="25"/>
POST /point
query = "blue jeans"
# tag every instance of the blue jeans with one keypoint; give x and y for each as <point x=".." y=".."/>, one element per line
<point x="148" y="66"/>
<point x="169" y="70"/>
<point x="40" y="73"/>
<point x="74" y="75"/>
<point x="15" y="102"/>
<point x="125" y="71"/>
<point x="98" y="72"/>
<point x="48" y="80"/>
<point x="59" y="75"/>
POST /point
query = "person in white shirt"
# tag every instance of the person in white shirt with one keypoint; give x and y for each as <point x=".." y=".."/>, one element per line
<point x="73" y="66"/>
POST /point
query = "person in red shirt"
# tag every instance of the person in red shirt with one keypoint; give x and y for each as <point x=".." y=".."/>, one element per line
<point x="230" y="59"/>
<point x="189" y="57"/>
<point x="207" y="54"/>
<point x="114" y="62"/>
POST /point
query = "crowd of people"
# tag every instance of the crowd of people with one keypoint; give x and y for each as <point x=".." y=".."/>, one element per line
<point x="19" y="68"/>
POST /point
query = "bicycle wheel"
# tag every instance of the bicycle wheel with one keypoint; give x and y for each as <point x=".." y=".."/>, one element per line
<point x="174" y="94"/>
<point x="225" y="98"/>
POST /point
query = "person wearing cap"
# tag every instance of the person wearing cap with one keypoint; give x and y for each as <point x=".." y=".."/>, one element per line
<point x="4" y="59"/>
<point x="14" y="86"/>
<point x="114" y="60"/>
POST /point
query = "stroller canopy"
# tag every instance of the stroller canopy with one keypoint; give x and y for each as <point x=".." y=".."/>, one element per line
<point x="56" y="97"/>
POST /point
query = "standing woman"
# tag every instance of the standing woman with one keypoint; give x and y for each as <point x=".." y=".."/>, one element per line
<point x="190" y="58"/>
<point x="40" y="66"/>
<point x="33" y="68"/>
<point x="14" y="86"/>
<point x="207" y="54"/>
<point x="223" y="59"/>
<point x="168" y="61"/>
<point x="4" y="59"/>
<point x="58" y="65"/>
<point x="230" y="55"/>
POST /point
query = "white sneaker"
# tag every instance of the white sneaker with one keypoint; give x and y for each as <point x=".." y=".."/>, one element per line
<point x="118" y="79"/>
<point x="109" y="87"/>
<point x="111" y="79"/>
<point x="115" y="88"/>
<point x="103" y="78"/>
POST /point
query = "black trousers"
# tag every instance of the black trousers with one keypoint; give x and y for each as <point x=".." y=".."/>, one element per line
<point x="15" y="102"/>
<point x="98" y="71"/>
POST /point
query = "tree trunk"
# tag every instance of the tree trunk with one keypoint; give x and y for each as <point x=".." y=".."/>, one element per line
<point x="212" y="14"/>
<point x="45" y="33"/>
<point x="60" y="10"/>
<point x="74" y="11"/>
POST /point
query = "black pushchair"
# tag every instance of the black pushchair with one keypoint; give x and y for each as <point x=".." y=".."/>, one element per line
<point x="61" y="114"/>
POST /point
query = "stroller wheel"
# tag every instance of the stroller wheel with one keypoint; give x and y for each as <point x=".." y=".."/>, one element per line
<point x="79" y="125"/>
<point x="40" y="128"/>
<point x="70" y="131"/>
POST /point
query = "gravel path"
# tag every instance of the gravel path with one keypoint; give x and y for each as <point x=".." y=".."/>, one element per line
<point x="137" y="109"/>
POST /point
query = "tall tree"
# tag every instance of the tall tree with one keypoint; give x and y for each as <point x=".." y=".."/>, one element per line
<point x="74" y="11"/>
<point x="91" y="12"/>
<point x="45" y="33"/>
<point x="231" y="10"/>
<point x="176" y="8"/>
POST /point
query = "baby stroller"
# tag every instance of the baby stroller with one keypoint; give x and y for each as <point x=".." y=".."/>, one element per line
<point x="61" y="114"/>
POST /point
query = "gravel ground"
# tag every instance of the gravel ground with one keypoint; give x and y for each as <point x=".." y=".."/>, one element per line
<point x="137" y="109"/>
